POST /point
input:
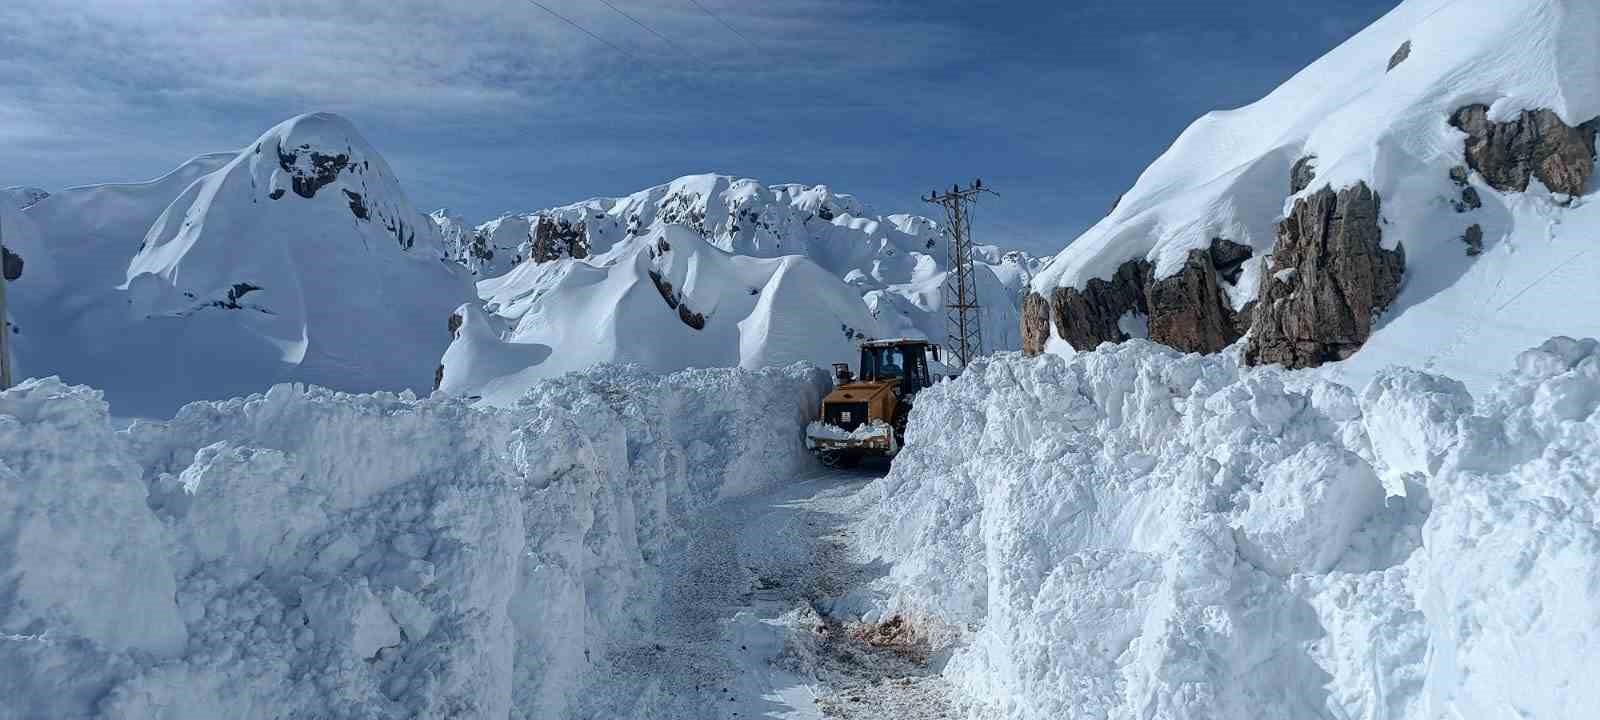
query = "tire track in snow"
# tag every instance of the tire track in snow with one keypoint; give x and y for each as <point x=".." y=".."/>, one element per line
<point x="743" y="630"/>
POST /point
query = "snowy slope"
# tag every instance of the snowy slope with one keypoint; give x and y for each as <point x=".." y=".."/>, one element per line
<point x="296" y="258"/>
<point x="306" y="553"/>
<point x="1352" y="121"/>
<point x="1142" y="534"/>
<point x="664" y="302"/>
<point x="781" y="273"/>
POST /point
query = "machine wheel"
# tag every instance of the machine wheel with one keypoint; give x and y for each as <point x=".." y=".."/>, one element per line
<point x="901" y="417"/>
<point x="838" y="459"/>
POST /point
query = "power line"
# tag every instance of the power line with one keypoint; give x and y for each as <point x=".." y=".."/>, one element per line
<point x="638" y="22"/>
<point x="725" y="24"/>
<point x="584" y="30"/>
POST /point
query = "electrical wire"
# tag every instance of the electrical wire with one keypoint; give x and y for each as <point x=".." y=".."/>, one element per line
<point x="584" y="30"/>
<point x="640" y="23"/>
<point x="725" y="24"/>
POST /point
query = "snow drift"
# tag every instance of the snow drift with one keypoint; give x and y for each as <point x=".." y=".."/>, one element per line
<point x="1494" y="261"/>
<point x="297" y="258"/>
<point x="667" y="302"/>
<point x="306" y="553"/>
<point x="1144" y="534"/>
<point x="704" y="271"/>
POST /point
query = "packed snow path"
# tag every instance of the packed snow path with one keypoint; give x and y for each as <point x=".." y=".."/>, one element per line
<point x="757" y="622"/>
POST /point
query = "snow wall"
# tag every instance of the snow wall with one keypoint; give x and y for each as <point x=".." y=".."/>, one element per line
<point x="306" y="553"/>
<point x="1136" y="533"/>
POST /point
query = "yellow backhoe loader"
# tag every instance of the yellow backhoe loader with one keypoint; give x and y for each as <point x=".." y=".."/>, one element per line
<point x="866" y="413"/>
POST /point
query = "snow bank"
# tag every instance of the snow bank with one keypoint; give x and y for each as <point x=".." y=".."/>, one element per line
<point x="1146" y="534"/>
<point x="306" y="553"/>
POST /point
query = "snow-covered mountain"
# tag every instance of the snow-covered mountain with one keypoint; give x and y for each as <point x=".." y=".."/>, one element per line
<point x="296" y="258"/>
<point x="707" y="270"/>
<point x="1419" y="195"/>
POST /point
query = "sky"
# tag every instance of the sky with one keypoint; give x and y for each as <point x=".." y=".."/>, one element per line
<point x="489" y="106"/>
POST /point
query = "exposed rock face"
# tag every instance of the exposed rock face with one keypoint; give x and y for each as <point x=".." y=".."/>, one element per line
<point x="1302" y="174"/>
<point x="1535" y="145"/>
<point x="358" y="205"/>
<point x="30" y="196"/>
<point x="309" y="170"/>
<point x="554" y="239"/>
<point x="1188" y="311"/>
<point x="1228" y="259"/>
<point x="11" y="262"/>
<point x="676" y="301"/>
<point x="1474" y="240"/>
<point x="1035" y="323"/>
<point x="1091" y="316"/>
<point x="1326" y="282"/>
<point x="1400" y="56"/>
<point x="1460" y="175"/>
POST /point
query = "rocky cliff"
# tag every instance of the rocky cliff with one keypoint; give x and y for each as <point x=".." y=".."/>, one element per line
<point x="1435" y="167"/>
<point x="1328" y="278"/>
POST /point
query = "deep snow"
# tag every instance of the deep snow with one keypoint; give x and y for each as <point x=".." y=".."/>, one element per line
<point x="306" y="553"/>
<point x="1228" y="176"/>
<point x="1143" y="534"/>
<point x="1127" y="533"/>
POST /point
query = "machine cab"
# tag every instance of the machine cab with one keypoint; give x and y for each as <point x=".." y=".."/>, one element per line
<point x="902" y="360"/>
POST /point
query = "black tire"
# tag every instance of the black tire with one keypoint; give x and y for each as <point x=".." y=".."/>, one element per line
<point x="902" y="417"/>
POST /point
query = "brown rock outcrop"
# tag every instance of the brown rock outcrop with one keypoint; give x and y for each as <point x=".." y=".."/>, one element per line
<point x="1400" y="56"/>
<point x="1328" y="278"/>
<point x="1302" y="174"/>
<point x="1035" y="323"/>
<point x="1474" y="240"/>
<point x="1537" y="144"/>
<point x="1188" y="311"/>
<point x="1088" y="317"/>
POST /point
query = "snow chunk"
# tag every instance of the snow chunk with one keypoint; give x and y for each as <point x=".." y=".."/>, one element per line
<point x="84" y="556"/>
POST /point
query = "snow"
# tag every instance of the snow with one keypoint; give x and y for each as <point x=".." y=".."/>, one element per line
<point x="309" y="553"/>
<point x="1139" y="533"/>
<point x="233" y="272"/>
<point x="1227" y="176"/>
<point x="780" y="273"/>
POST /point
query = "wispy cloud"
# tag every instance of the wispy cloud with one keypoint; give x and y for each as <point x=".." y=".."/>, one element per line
<point x="79" y="73"/>
<point x="494" y="104"/>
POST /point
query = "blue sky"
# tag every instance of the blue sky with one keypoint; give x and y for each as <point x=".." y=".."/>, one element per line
<point x="493" y="105"/>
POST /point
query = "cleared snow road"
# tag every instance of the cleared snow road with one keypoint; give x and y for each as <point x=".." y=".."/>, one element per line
<point x="761" y="621"/>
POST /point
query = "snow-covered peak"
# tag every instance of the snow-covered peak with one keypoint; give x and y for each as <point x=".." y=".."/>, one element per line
<point x="1391" y="116"/>
<point x="1224" y="176"/>
<point x="298" y="257"/>
<point x="314" y="164"/>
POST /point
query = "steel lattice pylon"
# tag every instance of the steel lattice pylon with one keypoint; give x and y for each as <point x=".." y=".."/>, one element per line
<point x="960" y="291"/>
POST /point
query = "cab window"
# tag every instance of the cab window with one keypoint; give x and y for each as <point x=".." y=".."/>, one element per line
<point x="886" y="363"/>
